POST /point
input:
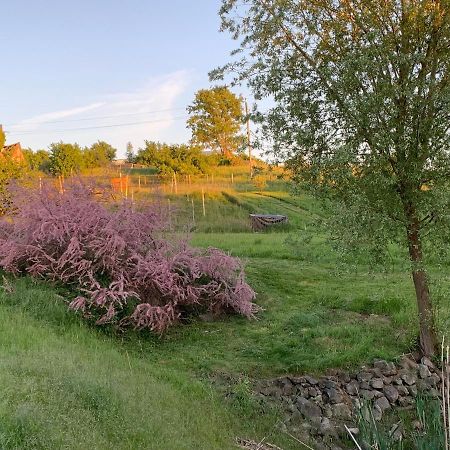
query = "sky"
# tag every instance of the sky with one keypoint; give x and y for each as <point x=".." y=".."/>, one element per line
<point x="108" y="70"/>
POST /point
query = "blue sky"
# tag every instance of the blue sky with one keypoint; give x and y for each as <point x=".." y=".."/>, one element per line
<point x="101" y="63"/>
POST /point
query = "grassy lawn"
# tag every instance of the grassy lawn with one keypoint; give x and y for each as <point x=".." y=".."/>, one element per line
<point x="65" y="385"/>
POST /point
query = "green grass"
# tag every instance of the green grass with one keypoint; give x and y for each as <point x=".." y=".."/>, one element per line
<point x="65" y="385"/>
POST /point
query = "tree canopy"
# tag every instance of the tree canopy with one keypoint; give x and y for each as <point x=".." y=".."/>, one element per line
<point x="98" y="154"/>
<point x="216" y="119"/>
<point x="65" y="158"/>
<point x="362" y="91"/>
<point x="169" y="159"/>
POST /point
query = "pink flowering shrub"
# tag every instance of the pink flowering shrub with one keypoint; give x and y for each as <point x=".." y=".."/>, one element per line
<point x="123" y="262"/>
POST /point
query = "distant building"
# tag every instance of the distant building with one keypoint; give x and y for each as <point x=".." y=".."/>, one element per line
<point x="13" y="151"/>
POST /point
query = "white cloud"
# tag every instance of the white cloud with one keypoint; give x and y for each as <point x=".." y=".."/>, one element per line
<point x="148" y="112"/>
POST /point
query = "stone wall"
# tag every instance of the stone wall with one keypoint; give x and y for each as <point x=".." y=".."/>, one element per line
<point x="318" y="408"/>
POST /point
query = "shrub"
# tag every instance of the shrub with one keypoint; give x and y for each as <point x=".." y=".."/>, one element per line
<point x="119" y="260"/>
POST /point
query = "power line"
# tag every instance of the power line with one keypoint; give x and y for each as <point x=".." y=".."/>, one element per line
<point x="95" y="127"/>
<point x="106" y="117"/>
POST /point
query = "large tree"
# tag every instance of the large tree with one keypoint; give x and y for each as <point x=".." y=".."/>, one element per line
<point x="216" y="119"/>
<point x="361" y="91"/>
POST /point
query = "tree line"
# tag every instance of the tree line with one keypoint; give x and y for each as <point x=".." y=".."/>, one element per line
<point x="215" y="120"/>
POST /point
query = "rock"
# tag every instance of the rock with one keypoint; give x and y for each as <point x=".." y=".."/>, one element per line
<point x="402" y="390"/>
<point x="386" y="368"/>
<point x="354" y="431"/>
<point x="345" y="377"/>
<point x="407" y="363"/>
<point x="433" y="381"/>
<point x="382" y="403"/>
<point x="409" y="378"/>
<point x="352" y="388"/>
<point x="391" y="393"/>
<point x="334" y="395"/>
<point x="412" y="390"/>
<point x="327" y="412"/>
<point x="367" y="394"/>
<point x="398" y="381"/>
<point x="272" y="391"/>
<point x="341" y="411"/>
<point x="424" y="371"/>
<point x="377" y="383"/>
<point x="364" y="385"/>
<point x="330" y="384"/>
<point x="377" y="394"/>
<point x="417" y="425"/>
<point x="433" y="393"/>
<point x="377" y="414"/>
<point x="326" y="428"/>
<point x="313" y="392"/>
<point x="308" y="409"/>
<point x="364" y="376"/>
<point x="376" y="372"/>
<point x="387" y="380"/>
<point x="405" y="401"/>
<point x="296" y="380"/>
<point x="312" y="381"/>
<point x="426" y="362"/>
<point x="421" y="386"/>
<point x="318" y="399"/>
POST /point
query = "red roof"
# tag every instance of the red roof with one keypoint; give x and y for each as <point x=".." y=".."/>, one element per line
<point x="14" y="151"/>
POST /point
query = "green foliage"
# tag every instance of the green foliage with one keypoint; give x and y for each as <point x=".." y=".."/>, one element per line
<point x="38" y="160"/>
<point x="65" y="159"/>
<point x="362" y="94"/>
<point x="182" y="159"/>
<point x="2" y="138"/>
<point x="99" y="154"/>
<point x="428" y="434"/>
<point x="215" y="120"/>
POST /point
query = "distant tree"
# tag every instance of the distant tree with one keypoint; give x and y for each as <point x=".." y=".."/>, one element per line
<point x="361" y="112"/>
<point x="183" y="159"/>
<point x="216" y="119"/>
<point x="2" y="138"/>
<point x="65" y="158"/>
<point x="99" y="154"/>
<point x="130" y="153"/>
<point x="38" y="160"/>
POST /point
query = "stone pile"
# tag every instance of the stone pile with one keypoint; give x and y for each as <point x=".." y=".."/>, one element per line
<point x="320" y="407"/>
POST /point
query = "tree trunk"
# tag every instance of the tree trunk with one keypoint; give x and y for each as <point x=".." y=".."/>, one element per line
<point x="427" y="336"/>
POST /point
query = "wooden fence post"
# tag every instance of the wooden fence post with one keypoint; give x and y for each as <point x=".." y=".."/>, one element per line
<point x="203" y="202"/>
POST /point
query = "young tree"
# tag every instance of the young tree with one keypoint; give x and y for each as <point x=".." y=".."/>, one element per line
<point x="130" y="153"/>
<point x="216" y="120"/>
<point x="362" y="91"/>
<point x="65" y="158"/>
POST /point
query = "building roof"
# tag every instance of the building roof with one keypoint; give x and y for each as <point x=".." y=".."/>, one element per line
<point x="14" y="151"/>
